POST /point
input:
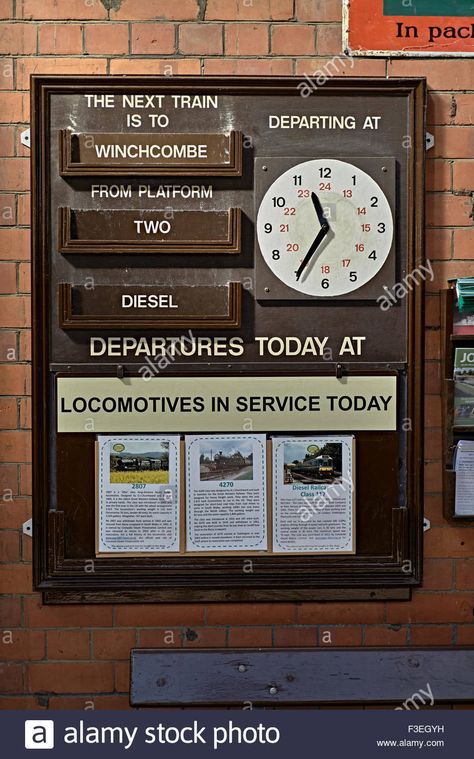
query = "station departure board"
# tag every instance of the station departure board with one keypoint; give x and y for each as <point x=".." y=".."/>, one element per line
<point x="228" y="323"/>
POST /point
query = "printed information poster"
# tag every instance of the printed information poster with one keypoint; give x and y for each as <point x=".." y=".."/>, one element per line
<point x="313" y="495"/>
<point x="138" y="498"/>
<point x="464" y="468"/>
<point x="226" y="493"/>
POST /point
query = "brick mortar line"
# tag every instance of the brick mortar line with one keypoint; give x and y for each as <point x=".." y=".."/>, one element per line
<point x="233" y="57"/>
<point x="178" y="55"/>
<point x="163" y="21"/>
<point x="83" y="38"/>
<point x="287" y="626"/>
<point x="181" y="628"/>
<point x="323" y="627"/>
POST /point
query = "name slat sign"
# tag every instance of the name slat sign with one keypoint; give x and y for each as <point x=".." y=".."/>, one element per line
<point x="160" y="231"/>
<point x="150" y="154"/>
<point x="148" y="306"/>
<point x="228" y="288"/>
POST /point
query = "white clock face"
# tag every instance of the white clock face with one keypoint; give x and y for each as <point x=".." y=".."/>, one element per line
<point x="325" y="227"/>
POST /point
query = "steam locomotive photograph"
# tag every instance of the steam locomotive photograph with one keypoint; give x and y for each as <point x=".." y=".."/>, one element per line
<point x="136" y="464"/>
<point x="312" y="464"/>
<point x="224" y="460"/>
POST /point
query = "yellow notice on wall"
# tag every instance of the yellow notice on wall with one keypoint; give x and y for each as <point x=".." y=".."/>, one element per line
<point x="221" y="404"/>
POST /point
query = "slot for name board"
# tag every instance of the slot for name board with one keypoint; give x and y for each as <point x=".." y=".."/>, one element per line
<point x="160" y="231"/>
<point x="165" y="154"/>
<point x="150" y="306"/>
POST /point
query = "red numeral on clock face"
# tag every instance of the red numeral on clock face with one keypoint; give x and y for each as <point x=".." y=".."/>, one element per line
<point x="347" y="193"/>
<point x="289" y="211"/>
<point x="326" y="269"/>
<point x="292" y="246"/>
<point x="325" y="185"/>
<point x="284" y="227"/>
<point x="365" y="227"/>
<point x="346" y="262"/>
<point x="362" y="211"/>
<point x="360" y="247"/>
<point x="303" y="193"/>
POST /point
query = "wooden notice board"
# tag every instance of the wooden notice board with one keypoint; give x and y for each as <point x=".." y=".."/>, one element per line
<point x="213" y="256"/>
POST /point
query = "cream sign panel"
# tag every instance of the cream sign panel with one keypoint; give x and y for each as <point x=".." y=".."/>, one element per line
<point x="220" y="404"/>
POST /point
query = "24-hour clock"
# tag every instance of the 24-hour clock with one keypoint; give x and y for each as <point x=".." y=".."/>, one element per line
<point x="325" y="227"/>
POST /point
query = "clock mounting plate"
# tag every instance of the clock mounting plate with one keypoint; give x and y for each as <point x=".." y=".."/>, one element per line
<point x="269" y="287"/>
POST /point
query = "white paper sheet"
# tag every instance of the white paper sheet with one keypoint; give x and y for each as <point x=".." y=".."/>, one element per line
<point x="226" y="493"/>
<point x="313" y="495"/>
<point x="138" y="494"/>
<point x="464" y="466"/>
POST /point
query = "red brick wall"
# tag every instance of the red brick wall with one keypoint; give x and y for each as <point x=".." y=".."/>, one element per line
<point x="78" y="656"/>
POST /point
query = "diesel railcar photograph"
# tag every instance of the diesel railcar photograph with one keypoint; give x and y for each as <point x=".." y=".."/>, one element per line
<point x="312" y="464"/>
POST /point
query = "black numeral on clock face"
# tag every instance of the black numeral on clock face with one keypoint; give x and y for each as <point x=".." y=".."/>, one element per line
<point x="325" y="173"/>
<point x="276" y="255"/>
<point x="278" y="202"/>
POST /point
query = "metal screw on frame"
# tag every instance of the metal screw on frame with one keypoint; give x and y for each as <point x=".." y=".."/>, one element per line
<point x="273" y="690"/>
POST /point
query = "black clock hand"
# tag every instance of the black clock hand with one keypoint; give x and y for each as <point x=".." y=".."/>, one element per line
<point x="319" y="238"/>
<point x="319" y="209"/>
<point x="316" y="243"/>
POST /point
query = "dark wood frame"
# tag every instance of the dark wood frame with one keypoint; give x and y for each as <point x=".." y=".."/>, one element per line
<point x="67" y="167"/>
<point x="231" y="245"/>
<point x="70" y="320"/>
<point x="63" y="580"/>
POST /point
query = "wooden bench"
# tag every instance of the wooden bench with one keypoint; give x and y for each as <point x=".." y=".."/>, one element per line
<point x="272" y="677"/>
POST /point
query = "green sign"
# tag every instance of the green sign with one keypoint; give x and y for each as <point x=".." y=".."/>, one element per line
<point x="428" y="8"/>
